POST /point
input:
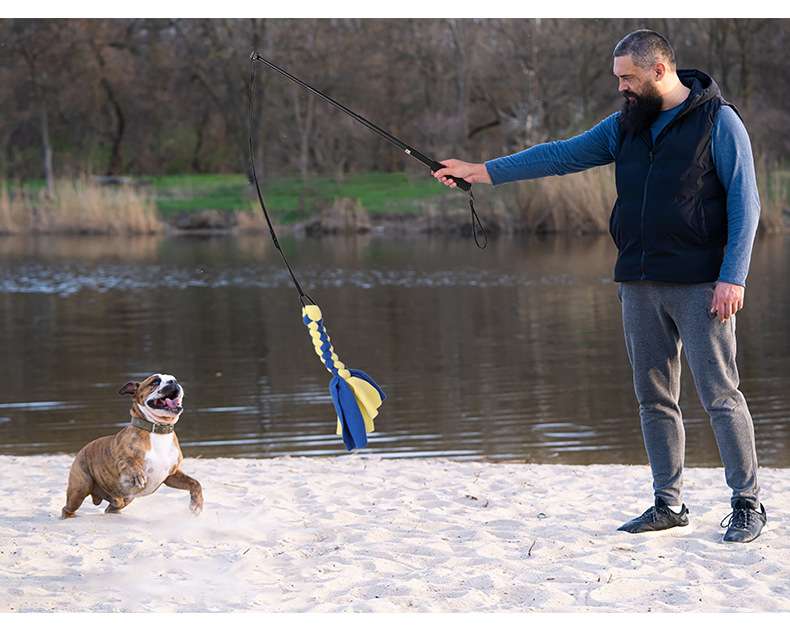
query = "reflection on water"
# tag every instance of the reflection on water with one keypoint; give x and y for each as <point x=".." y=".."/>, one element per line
<point x="511" y="353"/>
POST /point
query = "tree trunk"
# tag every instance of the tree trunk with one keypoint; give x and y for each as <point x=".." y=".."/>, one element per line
<point x="47" y="148"/>
<point x="719" y="31"/>
<point x="305" y="124"/>
<point x="198" y="149"/>
<point x="746" y="33"/>
<point x="40" y="96"/>
<point x="119" y="125"/>
<point x="114" y="165"/>
<point x="261" y="41"/>
<point x="458" y="30"/>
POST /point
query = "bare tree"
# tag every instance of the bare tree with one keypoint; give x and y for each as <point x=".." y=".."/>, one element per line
<point x="746" y="33"/>
<point x="27" y="41"/>
<point x="159" y="96"/>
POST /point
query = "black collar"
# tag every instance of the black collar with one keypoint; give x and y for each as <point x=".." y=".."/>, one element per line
<point x="151" y="427"/>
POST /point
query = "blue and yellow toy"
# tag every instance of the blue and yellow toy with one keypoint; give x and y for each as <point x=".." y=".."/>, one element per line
<point x="355" y="395"/>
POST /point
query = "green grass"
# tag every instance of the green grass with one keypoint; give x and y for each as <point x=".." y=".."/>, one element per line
<point x="289" y="199"/>
<point x="179" y="193"/>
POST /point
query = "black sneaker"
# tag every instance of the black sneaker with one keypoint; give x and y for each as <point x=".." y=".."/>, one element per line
<point x="745" y="522"/>
<point x="657" y="518"/>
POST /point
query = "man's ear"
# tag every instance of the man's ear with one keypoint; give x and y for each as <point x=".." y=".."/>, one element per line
<point x="130" y="388"/>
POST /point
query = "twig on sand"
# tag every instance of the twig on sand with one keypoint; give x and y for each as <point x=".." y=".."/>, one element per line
<point x="529" y="552"/>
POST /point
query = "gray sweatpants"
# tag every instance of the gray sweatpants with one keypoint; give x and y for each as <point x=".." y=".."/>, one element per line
<point x="659" y="319"/>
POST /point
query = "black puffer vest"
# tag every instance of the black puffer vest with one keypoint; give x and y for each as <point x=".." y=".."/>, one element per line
<point x="670" y="218"/>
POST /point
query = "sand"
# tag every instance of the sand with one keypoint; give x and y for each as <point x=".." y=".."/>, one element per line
<point x="360" y="533"/>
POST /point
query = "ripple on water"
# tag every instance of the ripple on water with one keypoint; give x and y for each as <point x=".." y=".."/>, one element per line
<point x="70" y="279"/>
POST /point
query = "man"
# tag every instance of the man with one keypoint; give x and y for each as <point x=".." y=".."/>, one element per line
<point x="684" y="223"/>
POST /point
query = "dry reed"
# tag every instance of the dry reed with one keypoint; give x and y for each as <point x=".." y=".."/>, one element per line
<point x="79" y="207"/>
<point x="774" y="188"/>
<point x="14" y="211"/>
<point x="251" y="221"/>
<point x="580" y="203"/>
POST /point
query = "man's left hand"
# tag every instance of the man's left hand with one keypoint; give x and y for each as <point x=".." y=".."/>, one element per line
<point x="727" y="300"/>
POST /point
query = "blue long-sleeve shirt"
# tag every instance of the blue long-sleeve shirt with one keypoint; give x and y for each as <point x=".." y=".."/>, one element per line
<point x="732" y="157"/>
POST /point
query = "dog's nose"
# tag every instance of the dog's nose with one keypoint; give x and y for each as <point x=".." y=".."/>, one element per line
<point x="170" y="388"/>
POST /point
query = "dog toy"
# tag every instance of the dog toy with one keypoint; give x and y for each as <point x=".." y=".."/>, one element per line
<point x="355" y="395"/>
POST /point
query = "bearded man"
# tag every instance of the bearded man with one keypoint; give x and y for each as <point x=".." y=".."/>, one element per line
<point x="684" y="225"/>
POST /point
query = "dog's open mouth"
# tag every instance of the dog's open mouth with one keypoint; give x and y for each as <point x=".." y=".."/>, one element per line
<point x="169" y="404"/>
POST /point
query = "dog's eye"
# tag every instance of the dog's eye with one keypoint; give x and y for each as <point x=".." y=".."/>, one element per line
<point x="156" y="381"/>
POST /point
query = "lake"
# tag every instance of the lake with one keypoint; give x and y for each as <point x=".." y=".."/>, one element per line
<point x="512" y="353"/>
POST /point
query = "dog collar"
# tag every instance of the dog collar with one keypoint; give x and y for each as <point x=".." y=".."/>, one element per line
<point x="151" y="427"/>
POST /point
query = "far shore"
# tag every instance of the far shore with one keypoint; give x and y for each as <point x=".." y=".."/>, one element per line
<point x="380" y="203"/>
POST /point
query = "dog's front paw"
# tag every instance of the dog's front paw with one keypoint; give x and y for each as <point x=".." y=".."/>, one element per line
<point x="139" y="480"/>
<point x="196" y="506"/>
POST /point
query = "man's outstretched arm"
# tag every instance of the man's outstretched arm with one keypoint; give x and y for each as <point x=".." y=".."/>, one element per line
<point x="594" y="147"/>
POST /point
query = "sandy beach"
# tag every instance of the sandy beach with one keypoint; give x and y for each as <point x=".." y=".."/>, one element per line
<point x="360" y="533"/>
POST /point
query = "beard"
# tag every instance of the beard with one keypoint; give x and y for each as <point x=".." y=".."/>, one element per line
<point x="638" y="114"/>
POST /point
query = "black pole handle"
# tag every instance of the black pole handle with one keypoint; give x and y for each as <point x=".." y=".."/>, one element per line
<point x="461" y="183"/>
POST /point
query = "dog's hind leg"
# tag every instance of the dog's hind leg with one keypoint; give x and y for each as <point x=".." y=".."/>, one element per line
<point x="79" y="488"/>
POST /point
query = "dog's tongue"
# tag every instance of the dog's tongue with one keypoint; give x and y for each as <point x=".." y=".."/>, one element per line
<point x="171" y="404"/>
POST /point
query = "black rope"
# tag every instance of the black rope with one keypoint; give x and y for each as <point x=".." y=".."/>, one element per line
<point x="476" y="221"/>
<point x="302" y="295"/>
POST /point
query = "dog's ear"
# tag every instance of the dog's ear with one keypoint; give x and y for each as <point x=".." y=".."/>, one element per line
<point x="130" y="388"/>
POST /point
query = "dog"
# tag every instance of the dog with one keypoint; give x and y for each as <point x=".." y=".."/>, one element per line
<point x="139" y="458"/>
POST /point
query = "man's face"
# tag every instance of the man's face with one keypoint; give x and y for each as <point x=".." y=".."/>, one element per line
<point x="632" y="80"/>
<point x="642" y="99"/>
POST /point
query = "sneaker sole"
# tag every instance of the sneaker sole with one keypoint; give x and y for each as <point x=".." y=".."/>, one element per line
<point x="672" y="531"/>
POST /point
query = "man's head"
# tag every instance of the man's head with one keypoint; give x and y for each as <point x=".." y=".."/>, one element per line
<point x="644" y="63"/>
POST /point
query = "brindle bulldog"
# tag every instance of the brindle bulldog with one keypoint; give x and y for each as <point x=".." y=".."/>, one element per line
<point x="139" y="458"/>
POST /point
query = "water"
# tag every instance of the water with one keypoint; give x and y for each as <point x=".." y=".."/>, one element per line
<point x="511" y="353"/>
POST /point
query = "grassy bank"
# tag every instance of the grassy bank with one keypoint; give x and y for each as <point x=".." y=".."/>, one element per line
<point x="289" y="199"/>
<point x="578" y="203"/>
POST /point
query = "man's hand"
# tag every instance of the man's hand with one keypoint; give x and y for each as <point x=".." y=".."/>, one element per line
<point x="727" y="300"/>
<point x="471" y="172"/>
